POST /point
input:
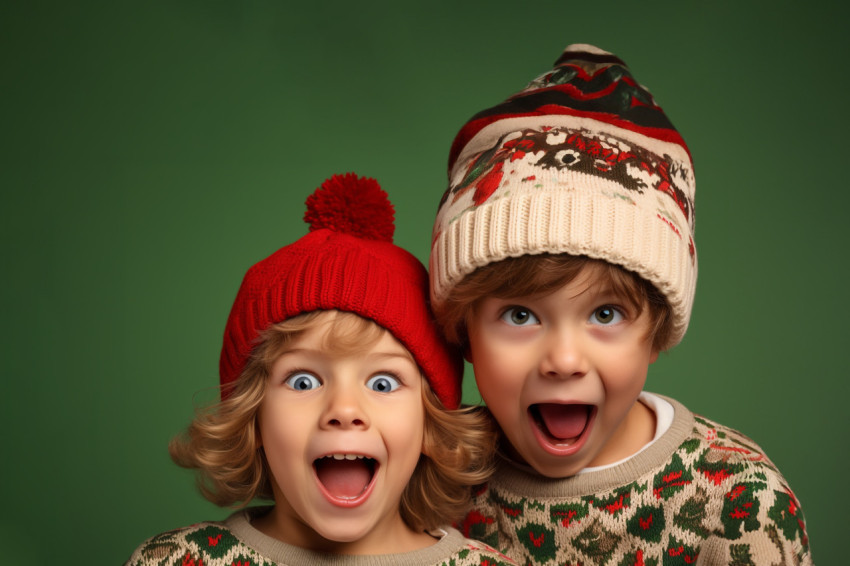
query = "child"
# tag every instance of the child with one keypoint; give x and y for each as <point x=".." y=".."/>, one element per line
<point x="335" y="385"/>
<point x="563" y="262"/>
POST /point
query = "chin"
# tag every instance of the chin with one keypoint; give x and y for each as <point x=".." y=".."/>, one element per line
<point x="342" y="534"/>
<point x="558" y="470"/>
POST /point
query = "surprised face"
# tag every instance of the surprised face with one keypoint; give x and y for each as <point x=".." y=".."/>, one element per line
<point x="561" y="374"/>
<point x="342" y="435"/>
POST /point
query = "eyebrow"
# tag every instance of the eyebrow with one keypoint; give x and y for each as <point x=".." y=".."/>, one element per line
<point x="405" y="356"/>
<point x="605" y="291"/>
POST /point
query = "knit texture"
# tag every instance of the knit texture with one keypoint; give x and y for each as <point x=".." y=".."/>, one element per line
<point x="701" y="494"/>
<point x="235" y="542"/>
<point x="581" y="161"/>
<point x="346" y="262"/>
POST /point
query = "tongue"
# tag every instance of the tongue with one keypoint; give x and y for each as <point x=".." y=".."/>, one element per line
<point x="564" y="421"/>
<point x="345" y="479"/>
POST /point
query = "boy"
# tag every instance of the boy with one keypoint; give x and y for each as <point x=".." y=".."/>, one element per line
<point x="563" y="262"/>
<point x="335" y="390"/>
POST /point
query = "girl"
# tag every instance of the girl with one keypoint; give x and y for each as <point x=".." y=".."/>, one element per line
<point x="339" y="403"/>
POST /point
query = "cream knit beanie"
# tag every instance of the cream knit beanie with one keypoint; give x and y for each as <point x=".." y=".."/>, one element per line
<point x="581" y="161"/>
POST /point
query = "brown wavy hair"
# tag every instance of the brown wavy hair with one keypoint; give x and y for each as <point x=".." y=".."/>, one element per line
<point x="542" y="274"/>
<point x="223" y="442"/>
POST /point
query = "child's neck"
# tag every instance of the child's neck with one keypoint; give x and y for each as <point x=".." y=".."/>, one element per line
<point x="635" y="432"/>
<point x="391" y="535"/>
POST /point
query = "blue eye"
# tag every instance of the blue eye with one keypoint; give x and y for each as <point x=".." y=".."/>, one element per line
<point x="383" y="383"/>
<point x="519" y="316"/>
<point x="302" y="381"/>
<point x="606" y="316"/>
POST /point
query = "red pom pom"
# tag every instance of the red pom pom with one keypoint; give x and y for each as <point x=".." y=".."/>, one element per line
<point x="352" y="205"/>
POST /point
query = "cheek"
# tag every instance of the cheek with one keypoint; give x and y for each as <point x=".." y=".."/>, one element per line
<point x="499" y="373"/>
<point x="405" y="428"/>
<point x="500" y="386"/>
<point x="283" y="431"/>
<point x="493" y="385"/>
<point x="403" y="433"/>
<point x="627" y="375"/>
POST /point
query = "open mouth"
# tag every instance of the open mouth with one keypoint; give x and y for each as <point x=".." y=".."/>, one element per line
<point x="345" y="477"/>
<point x="561" y="424"/>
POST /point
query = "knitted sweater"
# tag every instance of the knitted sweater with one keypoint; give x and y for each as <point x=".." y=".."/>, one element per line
<point x="235" y="542"/>
<point x="700" y="494"/>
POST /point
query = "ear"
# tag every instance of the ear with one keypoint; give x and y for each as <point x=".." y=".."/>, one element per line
<point x="653" y="356"/>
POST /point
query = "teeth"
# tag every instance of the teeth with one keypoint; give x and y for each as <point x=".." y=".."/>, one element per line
<point x="345" y="456"/>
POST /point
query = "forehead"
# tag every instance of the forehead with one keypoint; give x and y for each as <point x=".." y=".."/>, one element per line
<point x="340" y="334"/>
<point x="591" y="278"/>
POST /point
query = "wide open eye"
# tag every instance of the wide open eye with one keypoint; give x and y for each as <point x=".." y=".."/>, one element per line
<point x="519" y="316"/>
<point x="303" y="381"/>
<point x="383" y="383"/>
<point x="606" y="315"/>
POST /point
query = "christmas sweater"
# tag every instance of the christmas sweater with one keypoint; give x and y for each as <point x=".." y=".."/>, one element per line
<point x="700" y="494"/>
<point x="235" y="542"/>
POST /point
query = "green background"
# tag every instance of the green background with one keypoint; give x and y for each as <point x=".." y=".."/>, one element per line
<point x="153" y="151"/>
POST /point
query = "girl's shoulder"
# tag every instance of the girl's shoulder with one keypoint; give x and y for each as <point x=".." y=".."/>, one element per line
<point x="210" y="543"/>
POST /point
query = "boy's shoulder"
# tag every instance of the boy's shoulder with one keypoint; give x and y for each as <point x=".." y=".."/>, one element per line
<point x="718" y="452"/>
<point x="210" y="543"/>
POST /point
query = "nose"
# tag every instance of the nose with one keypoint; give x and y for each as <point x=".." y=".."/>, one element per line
<point x="344" y="409"/>
<point x="563" y="356"/>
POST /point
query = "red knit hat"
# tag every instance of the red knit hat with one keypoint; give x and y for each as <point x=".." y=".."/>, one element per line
<point x="346" y="262"/>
